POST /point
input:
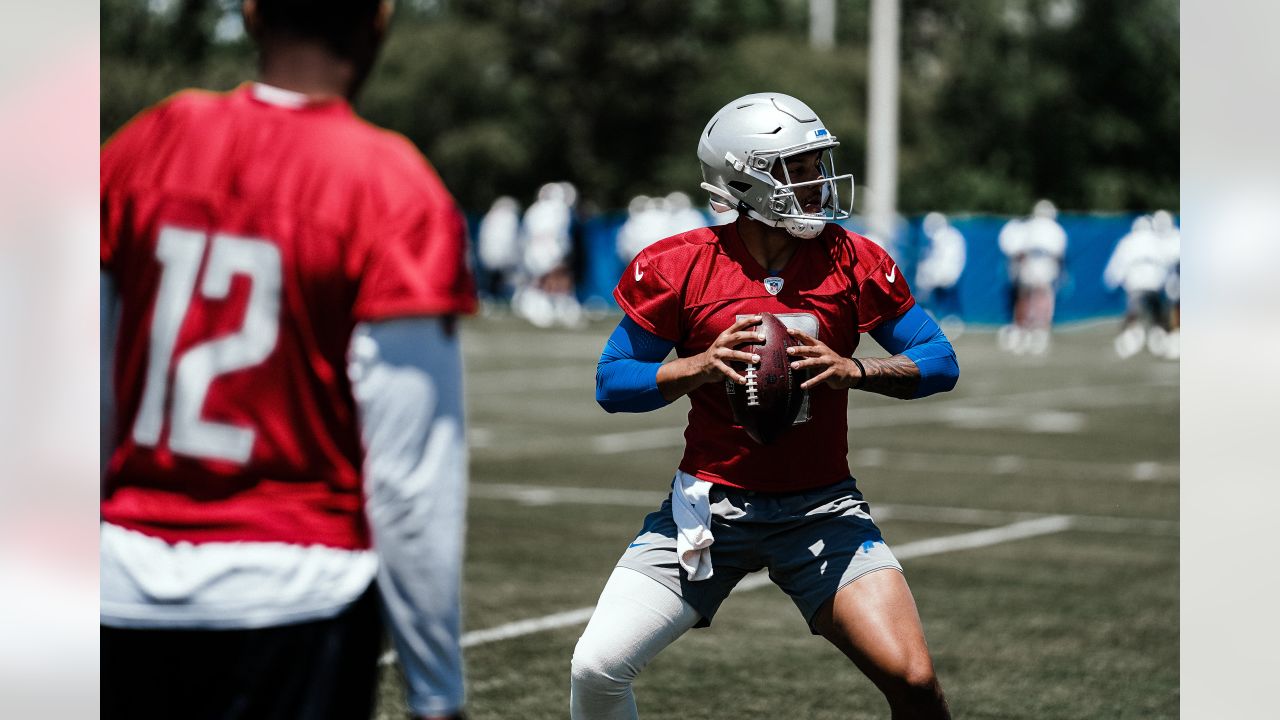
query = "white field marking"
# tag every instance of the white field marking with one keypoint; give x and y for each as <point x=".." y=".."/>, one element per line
<point x="1086" y="398"/>
<point x="947" y="464"/>
<point x="527" y="627"/>
<point x="920" y="548"/>
<point x="1012" y="418"/>
<point x="1145" y="471"/>
<point x="988" y="465"/>
<point x="953" y="410"/>
<point x="541" y="495"/>
<point x="637" y="440"/>
<point x="496" y="382"/>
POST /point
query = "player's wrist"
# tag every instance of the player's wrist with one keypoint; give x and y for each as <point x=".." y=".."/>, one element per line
<point x="859" y="377"/>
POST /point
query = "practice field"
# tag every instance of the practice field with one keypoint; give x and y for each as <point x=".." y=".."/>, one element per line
<point x="1035" y="509"/>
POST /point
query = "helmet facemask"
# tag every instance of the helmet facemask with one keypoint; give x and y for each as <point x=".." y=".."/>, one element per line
<point x="749" y="140"/>
<point x="787" y="200"/>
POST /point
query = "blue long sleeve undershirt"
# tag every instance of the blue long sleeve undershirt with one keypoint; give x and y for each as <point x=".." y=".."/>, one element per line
<point x="627" y="373"/>
<point x="917" y="336"/>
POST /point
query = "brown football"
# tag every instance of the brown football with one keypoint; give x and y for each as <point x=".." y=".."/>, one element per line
<point x="768" y="404"/>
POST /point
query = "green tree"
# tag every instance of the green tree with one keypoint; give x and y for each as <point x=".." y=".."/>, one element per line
<point x="1003" y="101"/>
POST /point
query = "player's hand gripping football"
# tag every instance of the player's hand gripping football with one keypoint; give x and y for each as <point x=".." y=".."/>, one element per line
<point x="837" y="371"/>
<point x="713" y="364"/>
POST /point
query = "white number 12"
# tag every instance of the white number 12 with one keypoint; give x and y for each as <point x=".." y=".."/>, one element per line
<point x="179" y="252"/>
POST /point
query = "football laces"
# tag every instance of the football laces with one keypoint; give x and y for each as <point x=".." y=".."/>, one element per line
<point x="752" y="387"/>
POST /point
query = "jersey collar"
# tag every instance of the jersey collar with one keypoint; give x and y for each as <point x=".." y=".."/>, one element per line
<point x="291" y="100"/>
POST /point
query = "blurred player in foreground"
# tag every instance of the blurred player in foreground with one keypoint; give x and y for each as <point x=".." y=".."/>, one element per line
<point x="287" y="383"/>
<point x="1035" y="247"/>
<point x="737" y="506"/>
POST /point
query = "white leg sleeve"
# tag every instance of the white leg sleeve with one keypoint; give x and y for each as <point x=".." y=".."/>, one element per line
<point x="634" y="620"/>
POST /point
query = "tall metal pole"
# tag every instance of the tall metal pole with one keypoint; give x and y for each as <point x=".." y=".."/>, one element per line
<point x="882" y="120"/>
<point x="822" y="24"/>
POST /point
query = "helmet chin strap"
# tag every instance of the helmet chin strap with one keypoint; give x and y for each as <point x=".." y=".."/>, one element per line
<point x="803" y="228"/>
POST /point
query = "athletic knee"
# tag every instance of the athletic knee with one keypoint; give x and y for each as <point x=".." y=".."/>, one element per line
<point x="921" y="680"/>
<point x="592" y="670"/>
<point x="913" y="680"/>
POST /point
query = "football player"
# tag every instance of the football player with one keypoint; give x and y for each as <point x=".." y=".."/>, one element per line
<point x="1140" y="264"/>
<point x="1035" y="247"/>
<point x="737" y="506"/>
<point x="280" y="280"/>
<point x="938" y="274"/>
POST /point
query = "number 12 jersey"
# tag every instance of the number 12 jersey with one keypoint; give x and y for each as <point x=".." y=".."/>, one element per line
<point x="247" y="234"/>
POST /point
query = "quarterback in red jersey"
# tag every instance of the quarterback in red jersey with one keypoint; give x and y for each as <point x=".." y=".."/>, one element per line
<point x="738" y="506"/>
<point x="280" y="280"/>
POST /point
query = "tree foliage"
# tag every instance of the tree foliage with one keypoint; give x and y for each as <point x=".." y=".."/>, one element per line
<point x="1003" y="101"/>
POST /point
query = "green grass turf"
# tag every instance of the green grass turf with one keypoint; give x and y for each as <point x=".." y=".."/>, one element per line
<point x="1077" y="624"/>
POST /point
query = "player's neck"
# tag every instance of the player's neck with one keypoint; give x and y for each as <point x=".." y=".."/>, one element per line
<point x="307" y="68"/>
<point x="771" y="247"/>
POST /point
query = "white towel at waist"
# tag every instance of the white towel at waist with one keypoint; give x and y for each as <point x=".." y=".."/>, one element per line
<point x="691" y="509"/>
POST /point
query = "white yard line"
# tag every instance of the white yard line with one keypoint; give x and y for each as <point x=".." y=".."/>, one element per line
<point x="985" y="411"/>
<point x="920" y="548"/>
<point x="637" y="440"/>
<point x="980" y="464"/>
<point x="544" y="495"/>
<point x="526" y="627"/>
<point x="560" y="495"/>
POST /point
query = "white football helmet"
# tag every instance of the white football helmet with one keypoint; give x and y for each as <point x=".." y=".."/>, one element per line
<point x="738" y="151"/>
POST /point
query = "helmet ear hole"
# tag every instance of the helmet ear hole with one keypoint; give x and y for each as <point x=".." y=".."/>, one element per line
<point x="739" y="186"/>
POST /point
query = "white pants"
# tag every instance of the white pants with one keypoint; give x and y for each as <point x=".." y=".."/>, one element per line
<point x="635" y="618"/>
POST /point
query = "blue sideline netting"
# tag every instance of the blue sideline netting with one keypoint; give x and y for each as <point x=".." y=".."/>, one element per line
<point x="983" y="294"/>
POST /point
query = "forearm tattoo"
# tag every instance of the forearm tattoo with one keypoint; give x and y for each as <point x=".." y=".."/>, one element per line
<point x="895" y="376"/>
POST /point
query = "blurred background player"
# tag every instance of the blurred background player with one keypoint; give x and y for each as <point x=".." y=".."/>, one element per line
<point x="737" y="506"/>
<point x="1141" y="265"/>
<point x="939" y="271"/>
<point x="545" y="296"/>
<point x="646" y="224"/>
<point x="1171" y="240"/>
<point x="652" y="219"/>
<point x="681" y="215"/>
<point x="1036" y="248"/>
<point x="498" y="241"/>
<point x="280" y="281"/>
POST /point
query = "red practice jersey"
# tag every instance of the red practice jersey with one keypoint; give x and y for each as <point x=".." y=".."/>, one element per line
<point x="247" y="234"/>
<point x="689" y="288"/>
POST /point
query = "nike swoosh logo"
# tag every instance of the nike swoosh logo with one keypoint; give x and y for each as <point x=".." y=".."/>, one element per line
<point x="890" y="276"/>
<point x="639" y="273"/>
<point x="636" y="545"/>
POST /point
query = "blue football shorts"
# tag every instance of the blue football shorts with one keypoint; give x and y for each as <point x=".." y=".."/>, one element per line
<point x="813" y="543"/>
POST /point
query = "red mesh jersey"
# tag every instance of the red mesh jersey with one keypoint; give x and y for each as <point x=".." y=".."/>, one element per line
<point x="689" y="288"/>
<point x="246" y="239"/>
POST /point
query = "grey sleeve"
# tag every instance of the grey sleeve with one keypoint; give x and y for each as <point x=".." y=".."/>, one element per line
<point x="407" y="381"/>
<point x="108" y="321"/>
